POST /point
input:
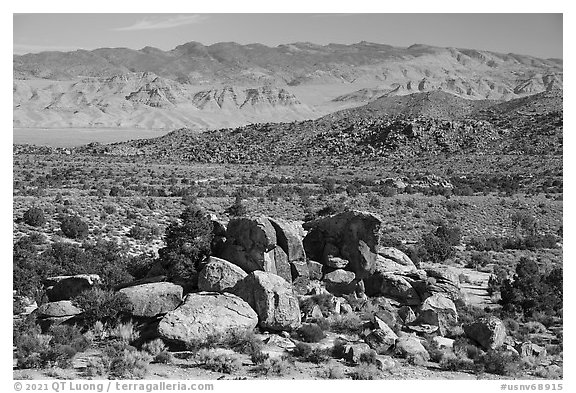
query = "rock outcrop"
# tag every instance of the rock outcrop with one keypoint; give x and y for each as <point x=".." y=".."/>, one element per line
<point x="251" y="244"/>
<point x="352" y="235"/>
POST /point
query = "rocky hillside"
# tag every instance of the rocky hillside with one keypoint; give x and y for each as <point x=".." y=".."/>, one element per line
<point x="194" y="85"/>
<point x="427" y="124"/>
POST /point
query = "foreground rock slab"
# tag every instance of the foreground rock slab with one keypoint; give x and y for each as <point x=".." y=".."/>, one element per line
<point x="206" y="314"/>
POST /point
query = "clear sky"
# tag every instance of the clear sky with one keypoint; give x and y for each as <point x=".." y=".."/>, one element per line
<point x="539" y="35"/>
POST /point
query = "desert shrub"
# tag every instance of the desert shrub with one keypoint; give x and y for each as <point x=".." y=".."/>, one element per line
<point x="73" y="227"/>
<point x="34" y="217"/>
<point x="218" y="362"/>
<point x="139" y="232"/>
<point x="311" y="333"/>
<point x="436" y="248"/>
<point x="187" y="244"/>
<point x="117" y="191"/>
<point x="374" y="201"/>
<point x="274" y="366"/>
<point x="468" y="313"/>
<point x="479" y="259"/>
<point x="125" y="332"/>
<point x="451" y="234"/>
<point x="347" y="323"/>
<point x="499" y="361"/>
<point x="305" y="353"/>
<point x="532" y="290"/>
<point x="37" y="350"/>
<point x="302" y="350"/>
<point x="237" y="209"/>
<point x="139" y="265"/>
<point x="37" y="238"/>
<point x="128" y="364"/>
<point x="334" y="372"/>
<point x="109" y="209"/>
<point x="365" y="371"/>
<point x="69" y="335"/>
<point x="100" y="305"/>
<point x="154" y="347"/>
<point x="436" y="354"/>
<point x="453" y="362"/>
<point x="387" y="191"/>
<point x="158" y="350"/>
<point x="324" y="301"/>
<point x="525" y="222"/>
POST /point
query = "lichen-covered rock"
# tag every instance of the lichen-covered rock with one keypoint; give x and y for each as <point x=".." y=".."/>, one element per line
<point x="272" y="298"/>
<point x="489" y="333"/>
<point x="206" y="314"/>
<point x="219" y="275"/>
<point x="150" y="300"/>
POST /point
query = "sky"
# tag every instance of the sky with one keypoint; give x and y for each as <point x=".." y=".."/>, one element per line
<point x="536" y="34"/>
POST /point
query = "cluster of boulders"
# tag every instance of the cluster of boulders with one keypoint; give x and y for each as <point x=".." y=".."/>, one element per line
<point x="263" y="268"/>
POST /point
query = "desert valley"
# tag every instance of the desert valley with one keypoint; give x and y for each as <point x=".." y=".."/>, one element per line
<point x="300" y="211"/>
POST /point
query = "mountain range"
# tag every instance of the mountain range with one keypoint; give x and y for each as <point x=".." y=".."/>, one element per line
<point x="229" y="85"/>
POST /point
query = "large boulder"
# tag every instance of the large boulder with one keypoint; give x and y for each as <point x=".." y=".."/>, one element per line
<point x="251" y="244"/>
<point x="219" y="275"/>
<point x="438" y="310"/>
<point x="152" y="299"/>
<point x="356" y="234"/>
<point x="391" y="285"/>
<point x="205" y="315"/>
<point x="489" y="333"/>
<point x="410" y="346"/>
<point x="289" y="239"/>
<point x="272" y="298"/>
<point x="340" y="282"/>
<point x="68" y="287"/>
